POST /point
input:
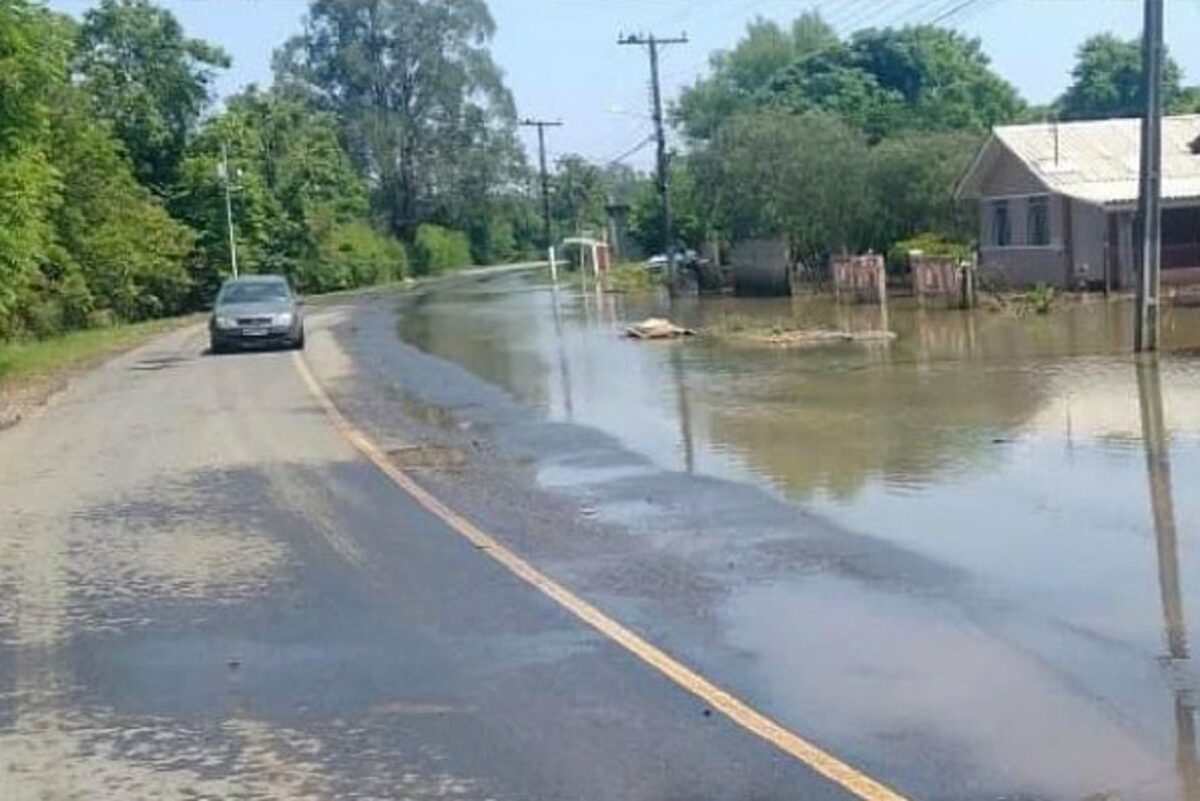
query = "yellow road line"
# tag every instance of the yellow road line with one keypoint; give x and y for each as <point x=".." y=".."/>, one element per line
<point x="733" y="708"/>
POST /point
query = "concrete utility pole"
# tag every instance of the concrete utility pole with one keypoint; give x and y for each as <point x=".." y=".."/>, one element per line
<point x="1150" y="183"/>
<point x="224" y="173"/>
<point x="652" y="43"/>
<point x="541" y="126"/>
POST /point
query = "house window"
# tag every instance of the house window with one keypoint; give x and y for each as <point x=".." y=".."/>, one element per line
<point x="1001" y="225"/>
<point x="1037" y="223"/>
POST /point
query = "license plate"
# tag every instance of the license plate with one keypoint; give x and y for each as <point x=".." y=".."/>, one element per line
<point x="255" y="332"/>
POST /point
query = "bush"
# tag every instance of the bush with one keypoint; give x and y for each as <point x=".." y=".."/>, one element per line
<point x="436" y="249"/>
<point x="928" y="243"/>
<point x="353" y="254"/>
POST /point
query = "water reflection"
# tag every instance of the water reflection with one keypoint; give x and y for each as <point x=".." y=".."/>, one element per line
<point x="1007" y="450"/>
<point x="1158" y="471"/>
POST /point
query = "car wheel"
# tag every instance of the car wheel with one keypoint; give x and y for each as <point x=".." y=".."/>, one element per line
<point x="215" y="347"/>
<point x="299" y="343"/>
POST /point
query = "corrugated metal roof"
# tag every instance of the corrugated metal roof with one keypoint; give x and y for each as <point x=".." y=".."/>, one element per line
<point x="1097" y="160"/>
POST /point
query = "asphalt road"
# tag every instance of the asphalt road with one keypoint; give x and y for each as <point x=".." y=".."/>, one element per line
<point x="207" y="592"/>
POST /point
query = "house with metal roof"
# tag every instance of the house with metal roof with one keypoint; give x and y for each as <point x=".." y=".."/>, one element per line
<point x="1058" y="200"/>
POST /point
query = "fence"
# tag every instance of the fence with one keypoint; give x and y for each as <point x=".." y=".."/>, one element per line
<point x="943" y="280"/>
<point x="861" y="279"/>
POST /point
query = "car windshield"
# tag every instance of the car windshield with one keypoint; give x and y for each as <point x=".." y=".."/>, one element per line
<point x="253" y="292"/>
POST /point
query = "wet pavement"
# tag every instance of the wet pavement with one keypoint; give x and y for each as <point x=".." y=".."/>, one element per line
<point x="207" y="593"/>
<point x="963" y="559"/>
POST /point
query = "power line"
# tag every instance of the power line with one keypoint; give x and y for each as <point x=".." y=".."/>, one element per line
<point x="965" y="4"/>
<point x="640" y="146"/>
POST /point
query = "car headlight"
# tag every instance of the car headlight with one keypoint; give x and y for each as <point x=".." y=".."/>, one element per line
<point x="283" y="318"/>
<point x="224" y="321"/>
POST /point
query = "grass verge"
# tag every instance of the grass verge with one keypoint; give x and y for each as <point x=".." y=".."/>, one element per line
<point x="34" y="358"/>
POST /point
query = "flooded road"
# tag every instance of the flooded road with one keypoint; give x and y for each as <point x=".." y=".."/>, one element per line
<point x="1036" y="486"/>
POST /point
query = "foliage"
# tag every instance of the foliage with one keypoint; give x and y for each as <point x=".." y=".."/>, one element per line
<point x="1041" y="298"/>
<point x="804" y="178"/>
<point x="32" y="62"/>
<point x="929" y="244"/>
<point x="911" y="180"/>
<point x="299" y="206"/>
<point x="1107" y="82"/>
<point x="436" y="249"/>
<point x="883" y="82"/>
<point x="149" y="79"/>
<point x="738" y="75"/>
<point x="691" y="210"/>
<point x="351" y="254"/>
<point x="116" y="248"/>
<point x="629" y="279"/>
<point x="111" y="205"/>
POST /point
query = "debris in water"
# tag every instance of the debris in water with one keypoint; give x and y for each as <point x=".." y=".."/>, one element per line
<point x="797" y="338"/>
<point x="656" y="328"/>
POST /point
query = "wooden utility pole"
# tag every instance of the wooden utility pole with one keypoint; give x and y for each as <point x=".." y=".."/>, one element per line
<point x="1150" y="183"/>
<point x="223" y="171"/>
<point x="652" y="43"/>
<point x="541" y="126"/>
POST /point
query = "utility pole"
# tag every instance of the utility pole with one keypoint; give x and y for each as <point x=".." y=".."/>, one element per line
<point x="1150" y="183"/>
<point x="652" y="43"/>
<point x="224" y="173"/>
<point x="541" y="126"/>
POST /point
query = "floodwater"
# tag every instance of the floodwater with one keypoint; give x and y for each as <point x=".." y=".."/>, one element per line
<point x="1032" y="455"/>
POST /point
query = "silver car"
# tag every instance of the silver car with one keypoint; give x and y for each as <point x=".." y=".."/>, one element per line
<point x="256" y="311"/>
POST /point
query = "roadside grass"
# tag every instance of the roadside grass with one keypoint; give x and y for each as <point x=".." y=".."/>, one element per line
<point x="36" y="357"/>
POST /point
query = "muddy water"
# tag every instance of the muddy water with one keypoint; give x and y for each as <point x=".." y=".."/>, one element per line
<point x="1030" y="454"/>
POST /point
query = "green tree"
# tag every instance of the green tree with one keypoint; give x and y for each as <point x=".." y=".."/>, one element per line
<point x="739" y="75"/>
<point x="1107" y="82"/>
<point x="149" y="79"/>
<point x="692" y="208"/>
<point x="300" y="207"/>
<point x="804" y="177"/>
<point x="33" y="49"/>
<point x="888" y="81"/>
<point x="422" y="107"/>
<point x="578" y="194"/>
<point x="911" y="181"/>
<point x="117" y="250"/>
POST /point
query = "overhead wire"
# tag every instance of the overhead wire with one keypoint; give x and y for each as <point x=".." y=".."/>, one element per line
<point x="642" y="143"/>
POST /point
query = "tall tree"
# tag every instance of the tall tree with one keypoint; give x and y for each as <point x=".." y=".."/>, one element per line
<point x="803" y="177"/>
<point x="415" y="90"/>
<point x="888" y="81"/>
<point x="739" y="75"/>
<point x="300" y="208"/>
<point x="1107" y="82"/>
<point x="117" y="250"/>
<point x="150" y="79"/>
<point x="32" y="62"/>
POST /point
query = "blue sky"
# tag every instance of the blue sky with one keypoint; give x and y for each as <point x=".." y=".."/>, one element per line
<point x="561" y="59"/>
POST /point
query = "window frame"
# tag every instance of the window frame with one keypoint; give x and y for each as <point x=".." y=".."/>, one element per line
<point x="995" y="206"/>
<point x="1037" y="203"/>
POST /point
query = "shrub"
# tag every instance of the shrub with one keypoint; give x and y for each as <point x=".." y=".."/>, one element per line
<point x="436" y="249"/>
<point x="929" y="243"/>
<point x="353" y="254"/>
